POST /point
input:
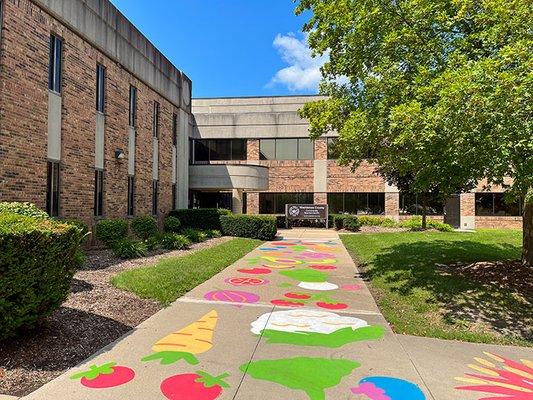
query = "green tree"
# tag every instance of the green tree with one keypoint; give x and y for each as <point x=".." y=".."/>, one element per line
<point x="435" y="92"/>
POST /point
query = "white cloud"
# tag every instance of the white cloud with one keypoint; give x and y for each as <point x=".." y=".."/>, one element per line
<point x="303" y="72"/>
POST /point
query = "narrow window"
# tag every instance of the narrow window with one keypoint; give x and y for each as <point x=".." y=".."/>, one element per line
<point x="174" y="197"/>
<point x="54" y="71"/>
<point x="98" y="193"/>
<point x="52" y="189"/>
<point x="155" y="195"/>
<point x="155" y="128"/>
<point x="131" y="195"/>
<point x="133" y="106"/>
<point x="175" y="130"/>
<point x="100" y="88"/>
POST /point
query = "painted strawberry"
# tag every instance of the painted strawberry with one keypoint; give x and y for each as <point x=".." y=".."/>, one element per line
<point x="298" y="296"/>
<point x="255" y="271"/>
<point x="285" y="303"/>
<point x="323" y="267"/>
<point x="198" y="386"/>
<point x="105" y="376"/>
<point x="332" y="306"/>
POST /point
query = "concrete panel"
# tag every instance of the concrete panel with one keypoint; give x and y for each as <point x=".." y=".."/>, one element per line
<point x="54" y="126"/>
<point x="174" y="164"/>
<point x="320" y="176"/>
<point x="226" y="177"/>
<point x="468" y="222"/>
<point x="131" y="151"/>
<point x="99" y="141"/>
<point x="155" y="159"/>
<point x="182" y="159"/>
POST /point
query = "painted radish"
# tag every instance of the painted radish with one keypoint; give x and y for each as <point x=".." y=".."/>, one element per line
<point x="298" y="296"/>
<point x="105" y="376"/>
<point x="255" y="271"/>
<point x="332" y="306"/>
<point x="198" y="386"/>
<point x="286" y="303"/>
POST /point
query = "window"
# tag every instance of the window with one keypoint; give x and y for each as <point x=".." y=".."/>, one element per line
<point x="52" y="189"/>
<point x="55" y="67"/>
<point x="494" y="204"/>
<point x="207" y="150"/>
<point x="357" y="203"/>
<point x="100" y="88"/>
<point x="274" y="203"/>
<point x="174" y="196"/>
<point x="98" y="193"/>
<point x="175" y="129"/>
<point x="155" y="195"/>
<point x="155" y="128"/>
<point x="133" y="106"/>
<point x="333" y="153"/>
<point x="286" y="149"/>
<point x="411" y="204"/>
<point x="131" y="195"/>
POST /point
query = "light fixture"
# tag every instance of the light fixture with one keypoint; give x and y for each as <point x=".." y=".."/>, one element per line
<point x="119" y="154"/>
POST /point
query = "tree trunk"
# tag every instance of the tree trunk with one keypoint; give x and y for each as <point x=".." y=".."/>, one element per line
<point x="424" y="212"/>
<point x="527" y="250"/>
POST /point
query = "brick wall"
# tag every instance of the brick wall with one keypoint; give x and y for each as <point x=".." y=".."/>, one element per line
<point x="363" y="179"/>
<point x="499" y="222"/>
<point x="23" y="111"/>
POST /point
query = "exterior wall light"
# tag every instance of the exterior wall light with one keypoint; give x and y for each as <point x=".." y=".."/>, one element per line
<point x="119" y="154"/>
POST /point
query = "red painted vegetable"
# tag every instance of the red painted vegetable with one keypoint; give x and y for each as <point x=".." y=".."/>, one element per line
<point x="232" y="296"/>
<point x="105" y="376"/>
<point x="198" y="386"/>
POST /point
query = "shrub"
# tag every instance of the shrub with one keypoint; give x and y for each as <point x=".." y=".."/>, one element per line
<point x="337" y="220"/>
<point x="26" y="209"/>
<point x="80" y="258"/>
<point x="351" y="223"/>
<point x="377" y="221"/>
<point x="249" y="226"/>
<point x="37" y="263"/>
<point x="111" y="230"/>
<point x="172" y="224"/>
<point x="173" y="241"/>
<point x="128" y="248"/>
<point x="201" y="218"/>
<point x="144" y="227"/>
<point x="153" y="242"/>
<point x="78" y="223"/>
<point x="195" y="235"/>
<point x="415" y="224"/>
<point x="213" y="233"/>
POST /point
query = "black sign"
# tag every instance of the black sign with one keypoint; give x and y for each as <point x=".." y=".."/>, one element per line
<point x="306" y="211"/>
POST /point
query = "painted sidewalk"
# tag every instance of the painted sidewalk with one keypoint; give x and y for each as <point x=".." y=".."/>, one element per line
<point x="290" y="321"/>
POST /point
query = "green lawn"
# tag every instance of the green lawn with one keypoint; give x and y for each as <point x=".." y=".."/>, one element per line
<point x="421" y="294"/>
<point x="173" y="277"/>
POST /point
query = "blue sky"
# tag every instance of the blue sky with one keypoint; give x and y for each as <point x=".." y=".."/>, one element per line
<point x="230" y="47"/>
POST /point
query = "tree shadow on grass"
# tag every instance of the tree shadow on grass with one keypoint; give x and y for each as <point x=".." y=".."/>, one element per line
<point x="438" y="267"/>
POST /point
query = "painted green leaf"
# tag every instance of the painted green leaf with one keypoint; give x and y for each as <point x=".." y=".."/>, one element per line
<point x="306" y="275"/>
<point x="336" y="339"/>
<point x="311" y="375"/>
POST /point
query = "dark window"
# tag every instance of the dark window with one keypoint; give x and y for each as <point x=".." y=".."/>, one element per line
<point x="200" y="199"/>
<point x="155" y="128"/>
<point x="333" y="153"/>
<point x="55" y="67"/>
<point x="100" y="88"/>
<point x="274" y="203"/>
<point x="206" y="150"/>
<point x="201" y="151"/>
<point x="131" y="195"/>
<point x="357" y="203"/>
<point x="286" y="149"/>
<point x="494" y="204"/>
<point x="238" y="150"/>
<point x="98" y="193"/>
<point x="155" y="196"/>
<point x="52" y="190"/>
<point x="220" y="150"/>
<point x="411" y="204"/>
<point x="133" y="106"/>
<point x="175" y="129"/>
<point x="174" y="196"/>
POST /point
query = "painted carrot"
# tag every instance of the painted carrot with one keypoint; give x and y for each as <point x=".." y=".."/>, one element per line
<point x="195" y="338"/>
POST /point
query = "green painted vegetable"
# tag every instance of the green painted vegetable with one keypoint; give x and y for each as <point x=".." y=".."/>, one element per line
<point x="306" y="275"/>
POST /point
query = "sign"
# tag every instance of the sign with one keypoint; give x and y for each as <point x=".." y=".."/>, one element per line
<point x="306" y="211"/>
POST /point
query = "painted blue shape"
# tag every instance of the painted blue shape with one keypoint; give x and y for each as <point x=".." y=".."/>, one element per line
<point x="268" y="249"/>
<point x="396" y="389"/>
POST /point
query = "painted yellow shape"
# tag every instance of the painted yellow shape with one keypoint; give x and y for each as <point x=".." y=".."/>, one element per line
<point x="471" y="380"/>
<point x="519" y="372"/>
<point x="195" y="338"/>
<point x="512" y="387"/>
<point x="324" y="261"/>
<point x="527" y="363"/>
<point x="279" y="266"/>
<point x="484" y="362"/>
<point x="483" y="370"/>
<point x="494" y="357"/>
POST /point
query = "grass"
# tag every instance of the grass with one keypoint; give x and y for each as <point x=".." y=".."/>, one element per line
<point x="173" y="277"/>
<point x="421" y="294"/>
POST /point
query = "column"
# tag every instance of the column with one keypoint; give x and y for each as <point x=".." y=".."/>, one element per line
<point x="392" y="202"/>
<point x="468" y="211"/>
<point x="237" y="203"/>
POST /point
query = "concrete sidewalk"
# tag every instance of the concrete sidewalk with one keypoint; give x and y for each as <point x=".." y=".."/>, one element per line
<point x="290" y="321"/>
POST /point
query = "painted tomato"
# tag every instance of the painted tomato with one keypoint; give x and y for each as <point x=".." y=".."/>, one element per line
<point x="232" y="296"/>
<point x="255" y="271"/>
<point x="332" y="306"/>
<point x="246" y="281"/>
<point x="285" y="303"/>
<point x="323" y="267"/>
<point x="299" y="296"/>
<point x="198" y="386"/>
<point x="105" y="376"/>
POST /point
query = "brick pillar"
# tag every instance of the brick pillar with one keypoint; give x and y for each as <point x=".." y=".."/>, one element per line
<point x="252" y="148"/>
<point x="320" y="171"/>
<point x="252" y="204"/>
<point x="321" y="198"/>
<point x="392" y="202"/>
<point x="468" y="211"/>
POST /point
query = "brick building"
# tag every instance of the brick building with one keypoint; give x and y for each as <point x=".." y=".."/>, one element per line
<point x="95" y="122"/>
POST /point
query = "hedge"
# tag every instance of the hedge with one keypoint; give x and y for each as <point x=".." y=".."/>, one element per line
<point x="111" y="230"/>
<point x="200" y="218"/>
<point x="144" y="226"/>
<point x="249" y="226"/>
<point x="37" y="264"/>
<point x="27" y="209"/>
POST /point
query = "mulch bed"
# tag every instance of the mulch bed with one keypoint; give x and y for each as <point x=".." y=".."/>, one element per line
<point x="94" y="315"/>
